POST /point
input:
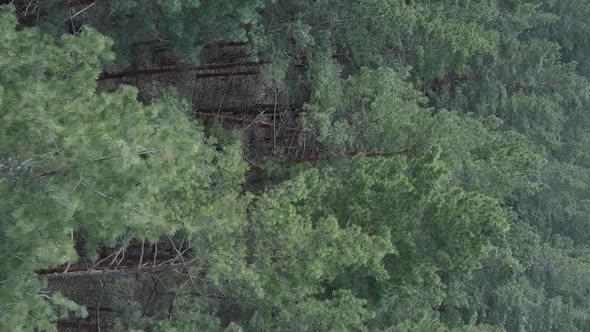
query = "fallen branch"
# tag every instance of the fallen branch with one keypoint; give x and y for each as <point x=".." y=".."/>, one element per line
<point x="185" y="69"/>
<point x="104" y="271"/>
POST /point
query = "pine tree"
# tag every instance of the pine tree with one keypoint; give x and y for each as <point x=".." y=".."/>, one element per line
<point x="84" y="168"/>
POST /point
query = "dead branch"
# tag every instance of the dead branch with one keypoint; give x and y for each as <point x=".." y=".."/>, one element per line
<point x="186" y="69"/>
<point x="105" y="271"/>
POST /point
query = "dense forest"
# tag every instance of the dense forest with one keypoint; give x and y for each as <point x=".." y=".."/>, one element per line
<point x="295" y="165"/>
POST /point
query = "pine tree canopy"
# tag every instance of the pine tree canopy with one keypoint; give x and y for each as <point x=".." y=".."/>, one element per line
<point x="281" y="165"/>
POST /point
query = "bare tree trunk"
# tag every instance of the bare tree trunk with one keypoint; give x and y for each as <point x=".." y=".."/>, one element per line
<point x="179" y="69"/>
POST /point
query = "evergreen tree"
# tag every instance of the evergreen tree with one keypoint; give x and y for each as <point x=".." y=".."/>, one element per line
<point x="98" y="167"/>
<point x="447" y="189"/>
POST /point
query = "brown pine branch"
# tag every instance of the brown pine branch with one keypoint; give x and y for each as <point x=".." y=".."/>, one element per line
<point x="61" y="169"/>
<point x="181" y="69"/>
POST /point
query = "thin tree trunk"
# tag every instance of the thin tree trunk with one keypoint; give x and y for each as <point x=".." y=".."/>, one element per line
<point x="176" y="69"/>
<point x="104" y="271"/>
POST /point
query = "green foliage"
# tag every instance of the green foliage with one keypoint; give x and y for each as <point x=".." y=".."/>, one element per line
<point x="187" y="24"/>
<point x="434" y="226"/>
<point x="450" y="194"/>
<point x="101" y="165"/>
<point x="377" y="111"/>
<point x="190" y="315"/>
